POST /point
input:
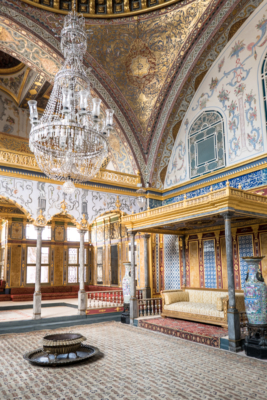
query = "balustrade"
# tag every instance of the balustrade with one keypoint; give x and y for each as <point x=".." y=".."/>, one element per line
<point x="113" y="298"/>
<point x="148" y="307"/>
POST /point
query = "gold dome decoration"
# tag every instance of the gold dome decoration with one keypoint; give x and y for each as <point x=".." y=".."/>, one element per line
<point x="103" y="8"/>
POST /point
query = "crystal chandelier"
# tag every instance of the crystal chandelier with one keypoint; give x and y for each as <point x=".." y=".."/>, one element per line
<point x="141" y="199"/>
<point x="69" y="141"/>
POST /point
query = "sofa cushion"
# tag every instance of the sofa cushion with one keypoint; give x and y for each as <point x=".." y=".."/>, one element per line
<point x="205" y="296"/>
<point x="219" y="303"/>
<point x="23" y="290"/>
<point x="47" y="289"/>
<point x="75" y="289"/>
<point x="62" y="289"/>
<point x="174" y="297"/>
<point x="195" y="308"/>
<point x="195" y="296"/>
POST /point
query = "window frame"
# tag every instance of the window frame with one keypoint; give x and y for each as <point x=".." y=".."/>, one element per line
<point x="42" y="265"/>
<point x="77" y="265"/>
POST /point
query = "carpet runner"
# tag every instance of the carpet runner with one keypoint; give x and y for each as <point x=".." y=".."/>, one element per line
<point x="193" y="331"/>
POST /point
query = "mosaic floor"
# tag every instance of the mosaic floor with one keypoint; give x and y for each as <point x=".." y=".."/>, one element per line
<point x="135" y="364"/>
<point x="193" y="331"/>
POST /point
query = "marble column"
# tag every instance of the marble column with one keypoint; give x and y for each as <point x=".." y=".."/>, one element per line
<point x="232" y="312"/>
<point x="184" y="260"/>
<point x="147" y="291"/>
<point x="37" y="296"/>
<point x="133" y="299"/>
<point x="82" y="295"/>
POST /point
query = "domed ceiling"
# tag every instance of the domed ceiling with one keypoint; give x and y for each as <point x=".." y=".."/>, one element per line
<point x="140" y="59"/>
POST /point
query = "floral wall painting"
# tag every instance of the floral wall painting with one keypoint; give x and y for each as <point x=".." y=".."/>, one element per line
<point x="13" y="120"/>
<point x="235" y="87"/>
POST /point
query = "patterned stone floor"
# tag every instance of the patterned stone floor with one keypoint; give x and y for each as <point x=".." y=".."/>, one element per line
<point x="47" y="312"/>
<point x="135" y="364"/>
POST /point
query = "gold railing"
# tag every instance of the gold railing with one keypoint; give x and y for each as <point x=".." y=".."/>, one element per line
<point x="212" y="196"/>
<point x="116" y="178"/>
<point x="16" y="159"/>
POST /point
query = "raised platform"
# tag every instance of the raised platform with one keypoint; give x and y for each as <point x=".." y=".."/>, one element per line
<point x="18" y="318"/>
<point x="209" y="335"/>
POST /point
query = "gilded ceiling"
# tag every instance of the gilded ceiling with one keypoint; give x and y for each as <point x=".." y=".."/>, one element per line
<point x="139" y="64"/>
<point x="102" y="8"/>
<point x="138" y="55"/>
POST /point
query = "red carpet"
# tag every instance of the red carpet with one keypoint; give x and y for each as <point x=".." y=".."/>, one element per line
<point x="193" y="331"/>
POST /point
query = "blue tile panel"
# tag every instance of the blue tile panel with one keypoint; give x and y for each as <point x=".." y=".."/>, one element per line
<point x="248" y="181"/>
<point x="209" y="264"/>
<point x="157" y="264"/>
<point x="245" y="245"/>
<point x="171" y="262"/>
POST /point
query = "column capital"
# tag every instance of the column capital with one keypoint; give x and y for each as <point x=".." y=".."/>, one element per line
<point x="227" y="215"/>
<point x="39" y="228"/>
<point x="82" y="231"/>
<point x="131" y="233"/>
<point x="146" y="236"/>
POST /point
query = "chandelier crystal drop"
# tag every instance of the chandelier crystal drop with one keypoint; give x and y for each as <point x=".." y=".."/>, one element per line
<point x="69" y="141"/>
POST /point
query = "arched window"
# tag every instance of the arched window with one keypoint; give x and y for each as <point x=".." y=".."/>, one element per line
<point x="206" y="144"/>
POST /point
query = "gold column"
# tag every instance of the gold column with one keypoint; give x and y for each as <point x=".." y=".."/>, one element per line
<point x="92" y="7"/>
<point x="23" y="270"/>
<point x="109" y="7"/>
<point x="52" y="272"/>
<point x="144" y="4"/>
<point x="126" y="6"/>
<point x="56" y="4"/>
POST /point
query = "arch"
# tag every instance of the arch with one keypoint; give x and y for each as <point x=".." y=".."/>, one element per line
<point x="15" y="203"/>
<point x="206" y="144"/>
<point x="264" y="83"/>
<point x="39" y="49"/>
<point x="182" y="88"/>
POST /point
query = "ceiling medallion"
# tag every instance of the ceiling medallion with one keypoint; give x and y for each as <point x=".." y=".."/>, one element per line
<point x="140" y="65"/>
<point x="69" y="141"/>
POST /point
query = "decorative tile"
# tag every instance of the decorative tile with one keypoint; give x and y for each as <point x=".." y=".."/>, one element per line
<point x="172" y="262"/>
<point x="209" y="264"/>
<point x="245" y="245"/>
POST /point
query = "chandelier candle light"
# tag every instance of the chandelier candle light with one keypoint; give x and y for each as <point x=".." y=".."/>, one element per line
<point x="141" y="199"/>
<point x="70" y="139"/>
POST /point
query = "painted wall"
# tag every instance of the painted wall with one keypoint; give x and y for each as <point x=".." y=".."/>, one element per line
<point x="13" y="120"/>
<point x="34" y="194"/>
<point x="232" y="87"/>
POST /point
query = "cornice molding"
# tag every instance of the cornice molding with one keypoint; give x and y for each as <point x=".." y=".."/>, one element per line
<point x="122" y="8"/>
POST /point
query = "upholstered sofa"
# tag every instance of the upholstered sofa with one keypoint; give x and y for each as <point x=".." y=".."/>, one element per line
<point x="202" y="305"/>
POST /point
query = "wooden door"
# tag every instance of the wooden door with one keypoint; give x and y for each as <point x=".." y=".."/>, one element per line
<point x="114" y="265"/>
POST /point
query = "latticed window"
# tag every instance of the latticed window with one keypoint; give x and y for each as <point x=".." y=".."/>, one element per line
<point x="206" y="144"/>
<point x="32" y="234"/>
<point x="73" y="264"/>
<point x="31" y="264"/>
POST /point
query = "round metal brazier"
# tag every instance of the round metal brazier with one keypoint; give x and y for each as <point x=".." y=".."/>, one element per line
<point x="62" y="343"/>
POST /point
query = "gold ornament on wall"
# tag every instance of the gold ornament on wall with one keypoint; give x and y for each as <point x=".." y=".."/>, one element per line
<point x="40" y="220"/>
<point x="83" y="224"/>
